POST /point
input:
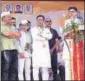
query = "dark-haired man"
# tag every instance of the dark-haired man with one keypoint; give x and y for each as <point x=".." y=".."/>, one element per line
<point x="41" y="54"/>
<point x="72" y="12"/>
<point x="13" y="21"/>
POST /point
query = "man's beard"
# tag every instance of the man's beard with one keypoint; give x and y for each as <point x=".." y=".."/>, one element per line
<point x="28" y="29"/>
<point x="48" y="26"/>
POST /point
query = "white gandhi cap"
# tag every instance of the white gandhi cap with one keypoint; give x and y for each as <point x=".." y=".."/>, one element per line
<point x="5" y="14"/>
<point x="24" y="22"/>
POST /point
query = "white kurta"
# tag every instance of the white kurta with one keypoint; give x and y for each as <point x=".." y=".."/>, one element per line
<point x="41" y="54"/>
<point x="24" y="63"/>
<point x="24" y="39"/>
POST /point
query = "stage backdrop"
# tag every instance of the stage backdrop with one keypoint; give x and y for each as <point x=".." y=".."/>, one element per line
<point x="57" y="11"/>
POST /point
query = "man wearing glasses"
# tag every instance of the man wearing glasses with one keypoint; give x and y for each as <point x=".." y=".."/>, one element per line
<point x="53" y="44"/>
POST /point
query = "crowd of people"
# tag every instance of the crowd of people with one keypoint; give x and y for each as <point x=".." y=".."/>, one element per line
<point x="27" y="49"/>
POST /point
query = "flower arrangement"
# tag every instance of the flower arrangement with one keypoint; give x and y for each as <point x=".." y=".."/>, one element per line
<point x="72" y="30"/>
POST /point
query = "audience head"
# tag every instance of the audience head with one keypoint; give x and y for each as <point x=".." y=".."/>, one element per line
<point x="40" y="20"/>
<point x="48" y="22"/>
<point x="13" y="21"/>
<point x="6" y="17"/>
<point x="72" y="11"/>
<point x="23" y="25"/>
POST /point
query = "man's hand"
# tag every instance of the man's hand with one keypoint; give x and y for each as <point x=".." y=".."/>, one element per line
<point x="17" y="35"/>
<point x="51" y="51"/>
<point x="22" y="55"/>
<point x="59" y="50"/>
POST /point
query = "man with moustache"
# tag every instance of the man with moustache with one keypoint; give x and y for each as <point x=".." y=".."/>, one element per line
<point x="9" y="53"/>
<point x="41" y="55"/>
<point x="53" y="45"/>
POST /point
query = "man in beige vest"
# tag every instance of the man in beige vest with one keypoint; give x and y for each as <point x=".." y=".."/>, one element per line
<point x="9" y="54"/>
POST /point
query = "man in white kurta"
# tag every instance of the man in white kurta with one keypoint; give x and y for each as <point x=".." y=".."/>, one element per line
<point x="41" y="54"/>
<point x="24" y="61"/>
<point x="68" y="48"/>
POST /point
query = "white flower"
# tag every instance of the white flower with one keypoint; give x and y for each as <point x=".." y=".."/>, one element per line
<point x="68" y="22"/>
<point x="77" y="21"/>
